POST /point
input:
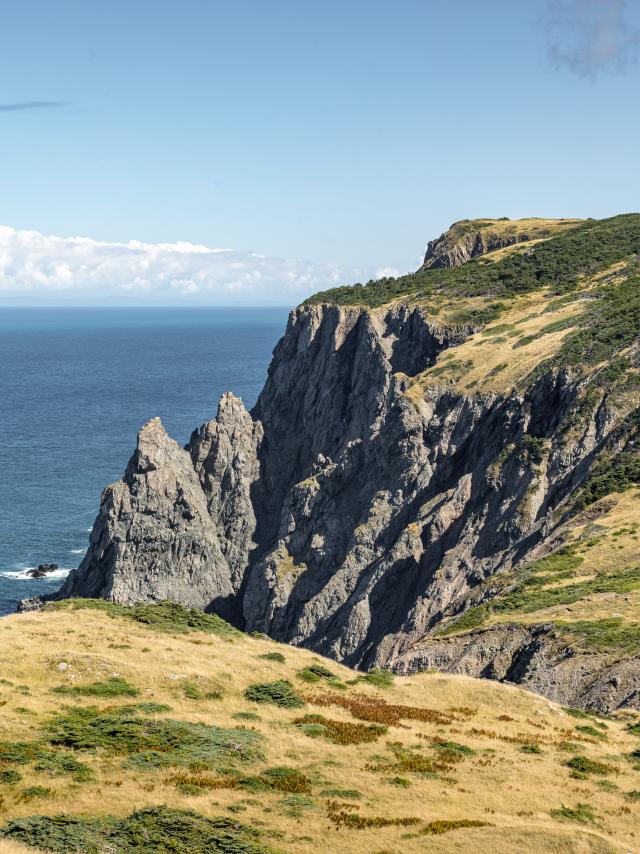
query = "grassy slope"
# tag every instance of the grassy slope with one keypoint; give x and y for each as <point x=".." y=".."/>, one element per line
<point x="589" y="586"/>
<point x="484" y="776"/>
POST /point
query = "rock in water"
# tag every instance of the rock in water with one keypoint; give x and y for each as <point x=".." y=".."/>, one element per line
<point x="42" y="570"/>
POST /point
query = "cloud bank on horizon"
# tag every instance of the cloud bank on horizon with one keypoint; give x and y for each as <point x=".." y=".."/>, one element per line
<point x="37" y="268"/>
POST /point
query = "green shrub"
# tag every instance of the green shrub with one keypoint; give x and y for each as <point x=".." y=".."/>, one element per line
<point x="379" y="678"/>
<point x="315" y="672"/>
<point x="294" y="805"/>
<point x="556" y="263"/>
<point x="435" y="828"/>
<point x="59" y="763"/>
<point x="274" y="656"/>
<point x="114" y="687"/>
<point x="531" y="748"/>
<point x="9" y="776"/>
<point x="280" y="693"/>
<point x="400" y="781"/>
<point x="454" y="746"/>
<point x="584" y="765"/>
<point x="148" y="707"/>
<point x="153" y="743"/>
<point x="162" y="617"/>
<point x="286" y="780"/>
<point x="156" y="829"/>
<point x="581" y="813"/>
<point x="587" y="729"/>
<point x="33" y="792"/>
<point x="346" y="794"/>
<point x="20" y="752"/>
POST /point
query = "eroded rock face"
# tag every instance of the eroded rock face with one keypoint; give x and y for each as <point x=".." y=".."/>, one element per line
<point x="463" y="242"/>
<point x="154" y="538"/>
<point x="537" y="658"/>
<point x="348" y="516"/>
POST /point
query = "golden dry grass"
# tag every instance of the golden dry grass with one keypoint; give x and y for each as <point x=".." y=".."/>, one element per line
<point x="514" y="792"/>
<point x="499" y="357"/>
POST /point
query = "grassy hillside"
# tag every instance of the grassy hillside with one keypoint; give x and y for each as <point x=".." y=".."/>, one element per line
<point x="559" y="261"/>
<point x="153" y="729"/>
<point x="589" y="586"/>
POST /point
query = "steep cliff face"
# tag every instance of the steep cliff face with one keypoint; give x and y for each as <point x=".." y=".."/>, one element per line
<point x="371" y="498"/>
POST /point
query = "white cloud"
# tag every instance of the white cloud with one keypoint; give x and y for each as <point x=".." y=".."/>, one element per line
<point x="36" y="267"/>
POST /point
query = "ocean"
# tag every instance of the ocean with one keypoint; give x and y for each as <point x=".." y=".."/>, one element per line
<point x="76" y="384"/>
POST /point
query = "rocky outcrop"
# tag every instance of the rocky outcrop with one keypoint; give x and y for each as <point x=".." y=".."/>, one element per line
<point x="346" y="515"/>
<point x="464" y="240"/>
<point x="535" y="657"/>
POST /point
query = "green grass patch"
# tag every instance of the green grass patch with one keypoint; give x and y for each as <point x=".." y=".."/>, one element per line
<point x="435" y="828"/>
<point x="9" y="776"/>
<point x="608" y="633"/>
<point x="154" y="743"/>
<point x="114" y="687"/>
<point x="155" y="829"/>
<point x="162" y="617"/>
<point x="31" y="793"/>
<point x="346" y="794"/>
<point x="581" y="813"/>
<point x="60" y="763"/>
<point x="280" y="693"/>
<point x="584" y="765"/>
<point x="378" y="678"/>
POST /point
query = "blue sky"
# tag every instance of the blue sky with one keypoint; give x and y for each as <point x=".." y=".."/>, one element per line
<point x="331" y="138"/>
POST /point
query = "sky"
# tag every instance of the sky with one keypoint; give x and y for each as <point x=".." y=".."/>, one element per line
<point x="315" y="143"/>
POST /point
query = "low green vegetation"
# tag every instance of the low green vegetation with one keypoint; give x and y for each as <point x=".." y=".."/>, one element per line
<point x="157" y="829"/>
<point x="162" y="617"/>
<point x="534" y="587"/>
<point x="609" y="478"/>
<point x="379" y="678"/>
<point x="149" y="743"/>
<point x="581" y="813"/>
<point x="584" y="765"/>
<point x="114" y="687"/>
<point x="280" y="693"/>
<point x="557" y="263"/>
<point x="607" y="633"/>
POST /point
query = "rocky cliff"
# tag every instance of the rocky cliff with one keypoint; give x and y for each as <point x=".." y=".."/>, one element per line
<point x="372" y="496"/>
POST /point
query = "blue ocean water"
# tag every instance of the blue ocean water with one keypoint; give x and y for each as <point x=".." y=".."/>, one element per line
<point x="76" y="384"/>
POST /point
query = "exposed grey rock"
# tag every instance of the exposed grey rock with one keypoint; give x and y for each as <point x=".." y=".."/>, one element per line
<point x="537" y="658"/>
<point x="462" y="242"/>
<point x="154" y="538"/>
<point x="346" y="516"/>
<point x="33" y="603"/>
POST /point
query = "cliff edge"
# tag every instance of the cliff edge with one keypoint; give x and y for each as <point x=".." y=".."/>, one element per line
<point x="421" y="447"/>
